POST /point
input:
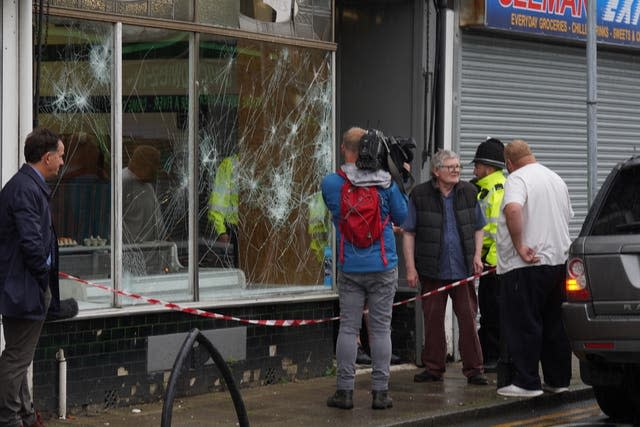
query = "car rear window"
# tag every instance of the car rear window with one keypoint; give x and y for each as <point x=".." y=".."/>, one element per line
<point x="620" y="210"/>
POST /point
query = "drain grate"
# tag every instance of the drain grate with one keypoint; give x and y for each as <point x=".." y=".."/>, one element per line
<point x="271" y="376"/>
<point x="110" y="399"/>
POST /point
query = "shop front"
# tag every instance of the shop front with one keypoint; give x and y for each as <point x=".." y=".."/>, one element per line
<point x="522" y="73"/>
<point x="196" y="135"/>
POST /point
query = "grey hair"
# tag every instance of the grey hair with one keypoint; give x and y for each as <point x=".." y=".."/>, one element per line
<point x="437" y="161"/>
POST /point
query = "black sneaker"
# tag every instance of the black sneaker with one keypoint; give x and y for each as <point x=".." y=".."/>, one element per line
<point x="478" y="379"/>
<point x="362" y="358"/>
<point x="381" y="399"/>
<point x="395" y="359"/>
<point x="342" y="399"/>
<point x="490" y="367"/>
<point x="426" y="376"/>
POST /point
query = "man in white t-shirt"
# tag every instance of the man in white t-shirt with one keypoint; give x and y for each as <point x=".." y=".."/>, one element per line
<point x="533" y="241"/>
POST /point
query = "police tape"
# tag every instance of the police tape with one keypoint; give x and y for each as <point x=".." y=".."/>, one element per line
<point x="446" y="287"/>
<point x="279" y="323"/>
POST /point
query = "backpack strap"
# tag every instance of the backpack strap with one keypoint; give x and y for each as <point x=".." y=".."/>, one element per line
<point x="347" y="183"/>
<point x="385" y="261"/>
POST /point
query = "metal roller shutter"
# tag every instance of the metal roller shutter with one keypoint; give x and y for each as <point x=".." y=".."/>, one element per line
<point x="523" y="89"/>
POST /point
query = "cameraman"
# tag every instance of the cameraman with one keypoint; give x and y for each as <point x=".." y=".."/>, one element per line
<point x="364" y="276"/>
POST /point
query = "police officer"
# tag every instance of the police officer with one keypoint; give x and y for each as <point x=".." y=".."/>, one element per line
<point x="223" y="204"/>
<point x="488" y="164"/>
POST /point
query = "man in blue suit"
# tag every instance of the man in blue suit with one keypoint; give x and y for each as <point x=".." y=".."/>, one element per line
<point x="28" y="271"/>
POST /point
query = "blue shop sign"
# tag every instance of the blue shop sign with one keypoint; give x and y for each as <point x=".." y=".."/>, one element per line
<point x="617" y="19"/>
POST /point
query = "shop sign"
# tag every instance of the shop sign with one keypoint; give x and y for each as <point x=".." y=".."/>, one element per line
<point x="617" y="21"/>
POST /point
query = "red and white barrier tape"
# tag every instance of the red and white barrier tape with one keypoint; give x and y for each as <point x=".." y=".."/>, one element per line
<point x="446" y="287"/>
<point x="281" y="323"/>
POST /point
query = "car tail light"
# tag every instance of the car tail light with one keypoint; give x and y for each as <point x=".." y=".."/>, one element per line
<point x="576" y="282"/>
<point x="598" y="346"/>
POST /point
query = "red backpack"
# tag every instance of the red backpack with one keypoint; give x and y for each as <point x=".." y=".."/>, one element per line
<point x="360" y="217"/>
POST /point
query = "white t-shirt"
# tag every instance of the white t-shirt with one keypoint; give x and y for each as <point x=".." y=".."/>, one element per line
<point x="546" y="210"/>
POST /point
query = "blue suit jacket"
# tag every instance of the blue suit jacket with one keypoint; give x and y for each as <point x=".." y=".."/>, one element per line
<point x="27" y="238"/>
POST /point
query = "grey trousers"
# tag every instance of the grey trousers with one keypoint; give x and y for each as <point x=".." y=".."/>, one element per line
<point x="377" y="290"/>
<point x="21" y="338"/>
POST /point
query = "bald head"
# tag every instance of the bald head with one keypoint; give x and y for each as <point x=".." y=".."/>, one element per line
<point x="351" y="143"/>
<point x="517" y="153"/>
<point x="351" y="138"/>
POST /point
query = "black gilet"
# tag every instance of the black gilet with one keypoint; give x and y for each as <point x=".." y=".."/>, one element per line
<point x="427" y="199"/>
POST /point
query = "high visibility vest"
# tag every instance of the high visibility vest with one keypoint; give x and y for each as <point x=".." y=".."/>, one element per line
<point x="318" y="225"/>
<point x="223" y="201"/>
<point x="490" y="198"/>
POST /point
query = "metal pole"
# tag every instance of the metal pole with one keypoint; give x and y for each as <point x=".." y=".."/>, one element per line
<point x="592" y="101"/>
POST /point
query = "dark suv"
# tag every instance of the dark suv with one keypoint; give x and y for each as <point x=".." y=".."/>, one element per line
<point x="602" y="312"/>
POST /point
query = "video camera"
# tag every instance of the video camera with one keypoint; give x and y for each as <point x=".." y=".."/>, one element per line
<point x="389" y="153"/>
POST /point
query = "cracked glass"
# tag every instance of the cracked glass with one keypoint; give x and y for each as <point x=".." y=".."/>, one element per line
<point x="263" y="141"/>
<point x="75" y="101"/>
<point x="307" y="19"/>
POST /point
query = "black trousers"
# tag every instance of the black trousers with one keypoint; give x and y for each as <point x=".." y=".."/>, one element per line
<point x="489" y="332"/>
<point x="532" y="321"/>
<point x="21" y="338"/>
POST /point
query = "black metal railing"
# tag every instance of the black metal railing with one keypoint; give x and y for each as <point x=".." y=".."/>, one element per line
<point x="187" y="348"/>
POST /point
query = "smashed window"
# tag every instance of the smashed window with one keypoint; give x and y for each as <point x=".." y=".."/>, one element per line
<point x="75" y="101"/>
<point x="307" y="19"/>
<point x="263" y="140"/>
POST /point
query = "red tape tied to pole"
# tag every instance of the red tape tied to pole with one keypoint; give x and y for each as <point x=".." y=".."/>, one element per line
<point x="278" y="323"/>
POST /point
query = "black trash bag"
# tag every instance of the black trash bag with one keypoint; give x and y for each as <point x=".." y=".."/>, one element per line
<point x="68" y="308"/>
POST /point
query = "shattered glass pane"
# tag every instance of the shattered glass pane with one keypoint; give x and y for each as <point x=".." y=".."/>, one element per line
<point x="265" y="142"/>
<point x="155" y="183"/>
<point x="75" y="101"/>
<point x="306" y="19"/>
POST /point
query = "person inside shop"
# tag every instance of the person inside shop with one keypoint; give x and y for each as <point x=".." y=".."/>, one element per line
<point x="142" y="218"/>
<point x="223" y="206"/>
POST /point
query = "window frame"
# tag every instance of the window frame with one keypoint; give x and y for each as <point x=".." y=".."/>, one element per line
<point x="195" y="31"/>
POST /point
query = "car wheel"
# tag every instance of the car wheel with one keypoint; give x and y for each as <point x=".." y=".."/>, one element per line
<point x="615" y="402"/>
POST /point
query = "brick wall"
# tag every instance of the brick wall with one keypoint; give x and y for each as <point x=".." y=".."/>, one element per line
<point x="107" y="357"/>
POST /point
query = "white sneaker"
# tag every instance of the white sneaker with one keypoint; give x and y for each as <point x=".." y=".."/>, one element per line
<point x="554" y="390"/>
<point x="515" y="391"/>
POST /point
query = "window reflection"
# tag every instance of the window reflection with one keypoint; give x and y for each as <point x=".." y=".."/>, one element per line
<point x="75" y="87"/>
<point x="155" y="146"/>
<point x="308" y="19"/>
<point x="265" y="142"/>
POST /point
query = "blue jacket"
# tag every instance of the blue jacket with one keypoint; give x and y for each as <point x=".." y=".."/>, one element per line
<point x="27" y="239"/>
<point x="366" y="260"/>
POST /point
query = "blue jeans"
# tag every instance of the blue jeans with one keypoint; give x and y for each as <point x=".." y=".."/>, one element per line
<point x="377" y="290"/>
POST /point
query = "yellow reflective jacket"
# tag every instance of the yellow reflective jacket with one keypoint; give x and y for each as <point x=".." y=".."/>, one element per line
<point x="223" y="201"/>
<point x="490" y="198"/>
<point x="318" y="226"/>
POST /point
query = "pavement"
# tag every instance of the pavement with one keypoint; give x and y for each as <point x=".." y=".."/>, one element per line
<point x="303" y="403"/>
